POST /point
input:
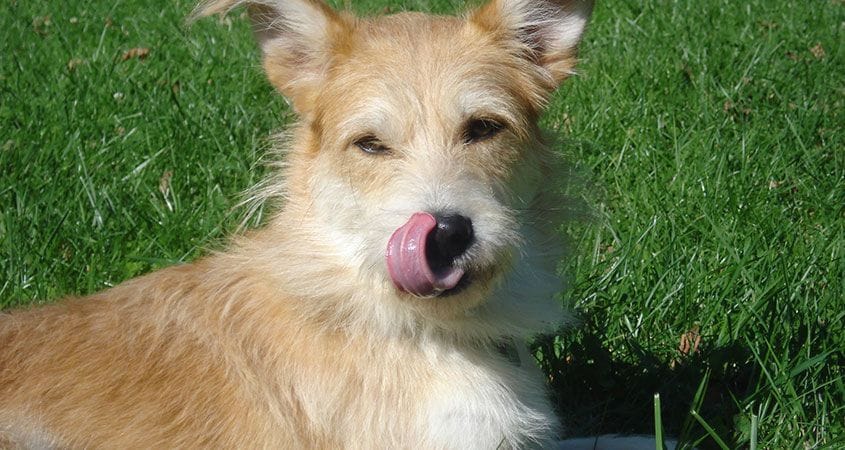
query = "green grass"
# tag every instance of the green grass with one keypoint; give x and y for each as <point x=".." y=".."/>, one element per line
<point x="712" y="136"/>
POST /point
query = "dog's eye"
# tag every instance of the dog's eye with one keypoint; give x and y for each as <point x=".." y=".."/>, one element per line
<point x="481" y="129"/>
<point x="371" y="144"/>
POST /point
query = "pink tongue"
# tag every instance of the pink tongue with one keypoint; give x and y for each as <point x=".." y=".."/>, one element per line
<point x="407" y="264"/>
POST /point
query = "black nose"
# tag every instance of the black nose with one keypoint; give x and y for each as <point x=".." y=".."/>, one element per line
<point x="450" y="239"/>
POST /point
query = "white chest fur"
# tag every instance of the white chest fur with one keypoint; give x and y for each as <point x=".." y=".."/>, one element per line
<point x="485" y="401"/>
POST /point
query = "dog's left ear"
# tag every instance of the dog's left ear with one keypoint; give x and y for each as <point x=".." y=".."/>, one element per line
<point x="297" y="38"/>
<point x="547" y="32"/>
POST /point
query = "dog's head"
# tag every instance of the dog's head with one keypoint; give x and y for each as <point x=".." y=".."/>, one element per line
<point x="417" y="154"/>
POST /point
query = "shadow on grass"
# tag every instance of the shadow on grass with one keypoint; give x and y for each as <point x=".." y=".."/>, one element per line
<point x="597" y="392"/>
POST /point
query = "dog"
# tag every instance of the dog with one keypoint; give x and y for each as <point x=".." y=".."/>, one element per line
<point x="385" y="304"/>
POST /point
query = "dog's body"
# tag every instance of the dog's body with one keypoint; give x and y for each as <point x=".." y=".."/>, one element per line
<point x="194" y="356"/>
<point x="418" y="138"/>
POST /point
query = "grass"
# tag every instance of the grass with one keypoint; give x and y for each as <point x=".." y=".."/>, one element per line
<point x="711" y="135"/>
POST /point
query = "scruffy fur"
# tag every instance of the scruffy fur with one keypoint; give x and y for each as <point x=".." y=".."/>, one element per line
<point x="295" y="336"/>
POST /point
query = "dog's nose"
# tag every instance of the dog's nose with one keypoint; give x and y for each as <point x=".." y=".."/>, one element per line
<point x="450" y="239"/>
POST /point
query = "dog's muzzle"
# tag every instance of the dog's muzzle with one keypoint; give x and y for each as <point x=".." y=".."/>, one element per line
<point x="421" y="253"/>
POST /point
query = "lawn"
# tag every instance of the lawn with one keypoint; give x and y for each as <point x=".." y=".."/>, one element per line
<point x="708" y="138"/>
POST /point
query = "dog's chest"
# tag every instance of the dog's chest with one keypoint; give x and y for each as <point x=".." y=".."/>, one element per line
<point x="442" y="397"/>
<point x="484" y="401"/>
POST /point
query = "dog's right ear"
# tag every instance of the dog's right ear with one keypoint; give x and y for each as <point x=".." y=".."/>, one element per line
<point x="547" y="31"/>
<point x="296" y="39"/>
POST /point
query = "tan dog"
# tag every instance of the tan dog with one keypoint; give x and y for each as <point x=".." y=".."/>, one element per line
<point x="369" y="312"/>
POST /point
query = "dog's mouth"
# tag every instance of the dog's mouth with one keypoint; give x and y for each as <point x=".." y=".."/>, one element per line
<point x="415" y="265"/>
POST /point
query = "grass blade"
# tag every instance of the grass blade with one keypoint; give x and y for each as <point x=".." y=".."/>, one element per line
<point x="709" y="430"/>
<point x="658" y="424"/>
<point x="755" y="422"/>
<point x="697" y="400"/>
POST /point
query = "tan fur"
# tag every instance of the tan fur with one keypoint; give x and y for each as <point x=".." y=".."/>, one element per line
<point x="295" y="337"/>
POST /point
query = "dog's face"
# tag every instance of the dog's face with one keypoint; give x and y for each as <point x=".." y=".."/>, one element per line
<point x="418" y="152"/>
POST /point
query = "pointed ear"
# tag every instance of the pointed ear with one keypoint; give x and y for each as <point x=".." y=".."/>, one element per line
<point x="296" y="39"/>
<point x="546" y="31"/>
